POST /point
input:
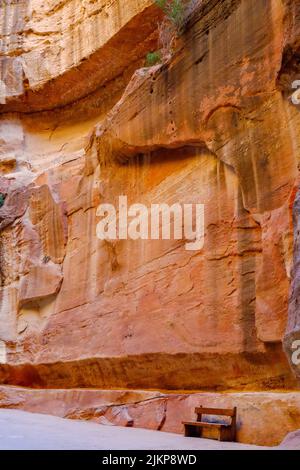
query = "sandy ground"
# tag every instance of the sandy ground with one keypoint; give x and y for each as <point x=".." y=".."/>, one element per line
<point x="21" y="430"/>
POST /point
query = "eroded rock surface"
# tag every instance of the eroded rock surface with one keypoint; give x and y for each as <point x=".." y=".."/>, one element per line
<point x="48" y="48"/>
<point x="81" y="124"/>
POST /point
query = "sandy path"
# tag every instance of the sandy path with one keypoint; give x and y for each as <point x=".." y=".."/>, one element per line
<point x="23" y="430"/>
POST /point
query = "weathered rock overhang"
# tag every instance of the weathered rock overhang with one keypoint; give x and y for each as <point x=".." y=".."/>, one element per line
<point x="220" y="97"/>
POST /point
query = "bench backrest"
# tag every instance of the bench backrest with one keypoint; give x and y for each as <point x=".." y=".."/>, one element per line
<point x="216" y="411"/>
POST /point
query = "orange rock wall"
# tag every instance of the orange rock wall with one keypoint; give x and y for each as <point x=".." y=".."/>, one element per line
<point x="82" y="124"/>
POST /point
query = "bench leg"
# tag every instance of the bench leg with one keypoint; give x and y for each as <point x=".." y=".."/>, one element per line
<point x="226" y="434"/>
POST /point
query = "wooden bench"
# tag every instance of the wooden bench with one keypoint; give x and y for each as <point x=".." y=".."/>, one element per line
<point x="222" y="432"/>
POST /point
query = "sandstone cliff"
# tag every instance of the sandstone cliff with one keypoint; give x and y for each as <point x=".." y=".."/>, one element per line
<point x="82" y="122"/>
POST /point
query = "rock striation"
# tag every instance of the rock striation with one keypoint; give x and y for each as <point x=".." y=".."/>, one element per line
<point x="83" y="121"/>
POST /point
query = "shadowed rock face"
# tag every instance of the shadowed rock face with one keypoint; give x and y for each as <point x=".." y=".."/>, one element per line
<point x="215" y="125"/>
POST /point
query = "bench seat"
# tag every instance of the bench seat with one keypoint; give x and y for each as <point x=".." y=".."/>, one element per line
<point x="204" y="424"/>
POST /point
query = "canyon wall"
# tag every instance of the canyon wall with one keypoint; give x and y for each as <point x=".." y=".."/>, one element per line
<point x="82" y="122"/>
